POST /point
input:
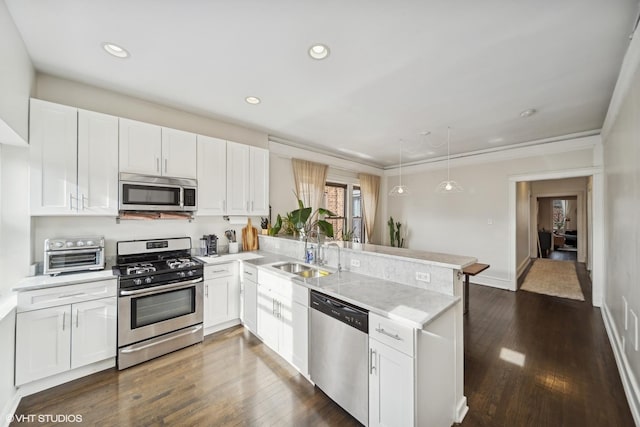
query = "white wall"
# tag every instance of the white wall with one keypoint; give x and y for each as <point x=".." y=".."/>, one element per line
<point x="476" y="222"/>
<point x="16" y="81"/>
<point x="523" y="193"/>
<point x="92" y="98"/>
<point x="16" y="84"/>
<point x="622" y="228"/>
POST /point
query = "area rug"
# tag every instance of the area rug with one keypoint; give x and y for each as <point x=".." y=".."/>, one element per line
<point x="556" y="278"/>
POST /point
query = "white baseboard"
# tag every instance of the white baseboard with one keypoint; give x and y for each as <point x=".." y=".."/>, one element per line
<point x="221" y="326"/>
<point x="10" y="409"/>
<point x="494" y="282"/>
<point x="629" y="383"/>
<point x="461" y="409"/>
<point x="522" y="267"/>
<point x="64" y="377"/>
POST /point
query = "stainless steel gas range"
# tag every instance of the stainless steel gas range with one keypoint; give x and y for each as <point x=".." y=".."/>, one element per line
<point x="160" y="298"/>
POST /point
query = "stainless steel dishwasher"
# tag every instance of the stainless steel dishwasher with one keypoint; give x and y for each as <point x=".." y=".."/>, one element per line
<point x="338" y="353"/>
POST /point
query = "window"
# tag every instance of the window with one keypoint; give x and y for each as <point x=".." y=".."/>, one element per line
<point x="346" y="202"/>
<point x="357" y="225"/>
<point x="336" y="202"/>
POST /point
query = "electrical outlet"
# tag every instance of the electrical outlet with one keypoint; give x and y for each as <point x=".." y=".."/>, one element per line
<point x="355" y="263"/>
<point x="635" y="331"/>
<point x="490" y="221"/>
<point x="626" y="313"/>
<point x="423" y="277"/>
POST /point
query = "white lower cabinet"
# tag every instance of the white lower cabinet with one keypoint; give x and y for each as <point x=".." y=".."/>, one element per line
<point x="43" y="343"/>
<point x="300" y="322"/>
<point x="93" y="331"/>
<point x="249" y="297"/>
<point x="411" y="372"/>
<point x="53" y="337"/>
<point x="221" y="296"/>
<point x="390" y="386"/>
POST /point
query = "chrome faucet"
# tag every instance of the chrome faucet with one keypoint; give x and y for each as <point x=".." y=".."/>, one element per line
<point x="337" y="246"/>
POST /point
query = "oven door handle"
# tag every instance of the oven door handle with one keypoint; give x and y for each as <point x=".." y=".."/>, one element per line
<point x="138" y="347"/>
<point x="73" y="251"/>
<point x="156" y="289"/>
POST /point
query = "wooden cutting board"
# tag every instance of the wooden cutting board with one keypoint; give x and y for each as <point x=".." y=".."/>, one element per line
<point x="249" y="237"/>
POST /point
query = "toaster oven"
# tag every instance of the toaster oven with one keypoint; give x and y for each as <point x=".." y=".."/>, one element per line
<point x="65" y="255"/>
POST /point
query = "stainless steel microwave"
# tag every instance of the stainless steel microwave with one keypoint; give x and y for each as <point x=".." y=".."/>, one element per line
<point x="157" y="193"/>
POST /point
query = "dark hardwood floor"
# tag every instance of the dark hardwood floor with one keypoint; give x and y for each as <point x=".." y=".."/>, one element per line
<point x="568" y="376"/>
<point x="232" y="379"/>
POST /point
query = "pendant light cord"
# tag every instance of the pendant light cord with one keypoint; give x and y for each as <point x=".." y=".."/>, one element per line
<point x="448" y="151"/>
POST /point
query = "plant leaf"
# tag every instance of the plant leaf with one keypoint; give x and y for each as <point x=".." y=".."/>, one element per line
<point x="325" y="227"/>
<point x="322" y="211"/>
<point x="275" y="229"/>
<point x="299" y="217"/>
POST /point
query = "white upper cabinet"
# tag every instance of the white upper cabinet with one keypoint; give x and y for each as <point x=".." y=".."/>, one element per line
<point x="140" y="147"/>
<point x="212" y="176"/>
<point x="97" y="163"/>
<point x="53" y="158"/>
<point x="237" y="179"/>
<point x="153" y="150"/>
<point x="247" y="180"/>
<point x="74" y="161"/>
<point x="259" y="181"/>
<point x="179" y="152"/>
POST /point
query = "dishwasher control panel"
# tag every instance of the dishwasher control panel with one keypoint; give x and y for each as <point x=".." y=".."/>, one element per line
<point x="340" y="310"/>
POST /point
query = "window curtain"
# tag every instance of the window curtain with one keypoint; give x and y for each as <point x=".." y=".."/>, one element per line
<point x="310" y="179"/>
<point x="370" y="188"/>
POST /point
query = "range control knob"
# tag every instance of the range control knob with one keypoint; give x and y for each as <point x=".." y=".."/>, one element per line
<point x="69" y="244"/>
<point x="147" y="280"/>
<point x="190" y="273"/>
<point x="90" y="243"/>
<point x="181" y="274"/>
<point x="58" y="244"/>
<point x="79" y="243"/>
<point x="137" y="282"/>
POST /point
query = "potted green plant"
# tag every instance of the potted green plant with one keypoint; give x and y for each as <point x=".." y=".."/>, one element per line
<point x="305" y="221"/>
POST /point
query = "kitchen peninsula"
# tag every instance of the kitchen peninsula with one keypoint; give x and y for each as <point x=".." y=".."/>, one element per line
<point x="414" y="294"/>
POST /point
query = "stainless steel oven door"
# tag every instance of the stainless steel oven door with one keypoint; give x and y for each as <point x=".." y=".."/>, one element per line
<point x="147" y="313"/>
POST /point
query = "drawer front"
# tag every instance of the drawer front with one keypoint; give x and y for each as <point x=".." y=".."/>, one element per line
<point x="249" y="272"/>
<point x="300" y="294"/>
<point x="62" y="295"/>
<point x="278" y="284"/>
<point x="394" y="335"/>
<point x="219" y="270"/>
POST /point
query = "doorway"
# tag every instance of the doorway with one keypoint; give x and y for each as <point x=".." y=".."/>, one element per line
<point x="590" y="223"/>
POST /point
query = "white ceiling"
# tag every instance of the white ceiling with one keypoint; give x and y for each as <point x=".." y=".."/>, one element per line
<point x="396" y="69"/>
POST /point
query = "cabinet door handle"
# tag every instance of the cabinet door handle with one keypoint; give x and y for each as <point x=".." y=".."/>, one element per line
<point x="252" y="206"/>
<point x="83" y="201"/>
<point x="247" y="205"/>
<point x="372" y="353"/>
<point x="383" y="332"/>
<point x="157" y="164"/>
<point x="273" y="306"/>
<point x="165" y="166"/>
<point x="77" y="316"/>
<point x="206" y="291"/>
<point x="71" y="201"/>
<point x="64" y="319"/>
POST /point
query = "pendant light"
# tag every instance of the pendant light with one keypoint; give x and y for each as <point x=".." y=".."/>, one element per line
<point x="400" y="190"/>
<point x="449" y="186"/>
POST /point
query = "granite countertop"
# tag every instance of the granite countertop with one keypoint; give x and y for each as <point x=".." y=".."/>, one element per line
<point x="64" y="279"/>
<point x="412" y="306"/>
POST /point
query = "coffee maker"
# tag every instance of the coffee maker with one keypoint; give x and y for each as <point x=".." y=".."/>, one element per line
<point x="209" y="245"/>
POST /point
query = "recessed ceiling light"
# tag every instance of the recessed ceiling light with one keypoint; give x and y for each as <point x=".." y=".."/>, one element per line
<point x="115" y="50"/>
<point x="253" y="100"/>
<point x="528" y="113"/>
<point x="318" y="51"/>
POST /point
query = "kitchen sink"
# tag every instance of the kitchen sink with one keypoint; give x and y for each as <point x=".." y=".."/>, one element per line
<point x="313" y="273"/>
<point x="292" y="267"/>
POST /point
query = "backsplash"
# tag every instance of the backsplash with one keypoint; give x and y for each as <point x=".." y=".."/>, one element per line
<point x="392" y="268"/>
<point x="49" y="227"/>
